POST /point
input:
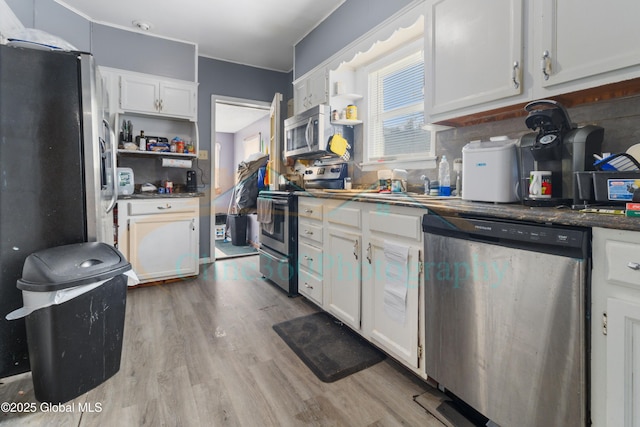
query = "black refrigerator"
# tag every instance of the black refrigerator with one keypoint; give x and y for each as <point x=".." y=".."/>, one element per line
<point x="56" y="180"/>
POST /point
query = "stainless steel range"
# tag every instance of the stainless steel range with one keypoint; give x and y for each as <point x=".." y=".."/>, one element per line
<point x="277" y="214"/>
<point x="278" y="218"/>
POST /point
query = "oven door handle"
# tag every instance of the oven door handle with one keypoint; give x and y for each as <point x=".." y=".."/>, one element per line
<point x="276" y="201"/>
<point x="271" y="257"/>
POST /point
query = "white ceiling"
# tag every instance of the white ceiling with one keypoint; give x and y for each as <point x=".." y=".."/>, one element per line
<point x="233" y="118"/>
<point x="259" y="33"/>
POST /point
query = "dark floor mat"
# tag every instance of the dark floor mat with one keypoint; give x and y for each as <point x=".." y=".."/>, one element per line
<point x="331" y="350"/>
<point x="229" y="250"/>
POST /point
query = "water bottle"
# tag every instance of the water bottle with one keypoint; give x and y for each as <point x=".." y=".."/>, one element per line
<point x="444" y="177"/>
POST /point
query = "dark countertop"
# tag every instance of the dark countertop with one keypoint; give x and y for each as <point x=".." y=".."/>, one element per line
<point x="513" y="211"/>
<point x="152" y="195"/>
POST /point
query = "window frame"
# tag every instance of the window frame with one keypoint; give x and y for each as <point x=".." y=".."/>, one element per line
<point x="425" y="161"/>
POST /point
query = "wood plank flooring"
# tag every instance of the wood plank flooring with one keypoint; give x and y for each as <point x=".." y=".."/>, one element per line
<point x="203" y="353"/>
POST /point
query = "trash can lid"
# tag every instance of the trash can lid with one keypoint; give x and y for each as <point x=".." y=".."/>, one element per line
<point x="67" y="266"/>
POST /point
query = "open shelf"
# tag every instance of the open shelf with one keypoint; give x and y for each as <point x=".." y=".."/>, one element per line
<point x="156" y="153"/>
<point x="346" y="122"/>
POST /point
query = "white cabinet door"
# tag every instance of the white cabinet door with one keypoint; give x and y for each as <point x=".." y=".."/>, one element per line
<point x="394" y="318"/>
<point x="585" y="38"/>
<point x="623" y="363"/>
<point x="318" y="88"/>
<point x="311" y="91"/>
<point x="151" y="95"/>
<point x="300" y="100"/>
<point x="615" y="328"/>
<point x="139" y="94"/>
<point x="177" y="99"/>
<point x="474" y="53"/>
<point x="163" y="246"/>
<point x="342" y="268"/>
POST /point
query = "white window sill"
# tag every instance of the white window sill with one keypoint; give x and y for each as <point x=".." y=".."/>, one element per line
<point x="424" y="163"/>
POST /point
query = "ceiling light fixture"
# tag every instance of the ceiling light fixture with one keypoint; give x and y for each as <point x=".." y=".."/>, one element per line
<point x="142" y="25"/>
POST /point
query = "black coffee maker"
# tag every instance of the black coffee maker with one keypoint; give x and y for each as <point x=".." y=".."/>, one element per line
<point x="192" y="182"/>
<point x="559" y="147"/>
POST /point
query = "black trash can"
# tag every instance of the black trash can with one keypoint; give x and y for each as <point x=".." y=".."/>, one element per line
<point x="74" y="345"/>
<point x="238" y="229"/>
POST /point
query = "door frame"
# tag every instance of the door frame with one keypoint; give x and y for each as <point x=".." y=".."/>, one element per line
<point x="242" y="102"/>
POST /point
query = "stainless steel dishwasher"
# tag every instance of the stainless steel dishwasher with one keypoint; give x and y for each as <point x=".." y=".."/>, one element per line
<point x="506" y="317"/>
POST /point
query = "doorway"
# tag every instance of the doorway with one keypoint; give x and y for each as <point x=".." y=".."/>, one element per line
<point x="240" y="128"/>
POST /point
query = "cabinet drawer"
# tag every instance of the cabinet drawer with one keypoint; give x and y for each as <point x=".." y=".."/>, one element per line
<point x="623" y="263"/>
<point x="310" y="257"/>
<point x="308" y="208"/>
<point x="400" y="225"/>
<point x="310" y="230"/>
<point x="161" y="206"/>
<point x="344" y="216"/>
<point x="310" y="286"/>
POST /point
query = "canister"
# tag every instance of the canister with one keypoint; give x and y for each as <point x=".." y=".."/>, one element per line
<point x="125" y="182"/>
<point x="352" y="112"/>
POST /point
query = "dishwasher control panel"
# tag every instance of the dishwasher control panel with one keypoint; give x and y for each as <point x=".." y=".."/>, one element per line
<point x="508" y="231"/>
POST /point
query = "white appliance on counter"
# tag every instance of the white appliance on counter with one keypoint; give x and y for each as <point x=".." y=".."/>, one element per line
<point x="490" y="171"/>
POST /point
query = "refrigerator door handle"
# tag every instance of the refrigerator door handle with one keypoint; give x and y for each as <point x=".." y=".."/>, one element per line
<point x="114" y="169"/>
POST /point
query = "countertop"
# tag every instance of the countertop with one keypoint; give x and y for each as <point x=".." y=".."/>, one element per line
<point x="151" y="195"/>
<point x="513" y="211"/>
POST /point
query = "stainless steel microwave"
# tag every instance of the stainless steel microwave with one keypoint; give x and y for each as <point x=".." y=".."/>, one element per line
<point x="307" y="134"/>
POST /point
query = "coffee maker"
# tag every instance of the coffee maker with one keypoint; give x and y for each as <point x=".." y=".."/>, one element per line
<point x="192" y="182"/>
<point x="559" y="147"/>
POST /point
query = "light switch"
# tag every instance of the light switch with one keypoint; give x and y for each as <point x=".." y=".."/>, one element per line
<point x="203" y="154"/>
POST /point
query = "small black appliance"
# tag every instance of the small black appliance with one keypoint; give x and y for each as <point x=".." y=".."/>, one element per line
<point x="560" y="147"/>
<point x="192" y="182"/>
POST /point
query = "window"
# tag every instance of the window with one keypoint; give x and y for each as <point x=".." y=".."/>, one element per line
<point x="396" y="131"/>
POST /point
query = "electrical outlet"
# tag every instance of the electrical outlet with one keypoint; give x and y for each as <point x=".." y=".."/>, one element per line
<point x="203" y="154"/>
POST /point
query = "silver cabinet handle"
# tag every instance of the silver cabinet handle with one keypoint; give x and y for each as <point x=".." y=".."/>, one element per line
<point x="308" y="232"/>
<point x="355" y="249"/>
<point x="369" y="253"/>
<point x="634" y="265"/>
<point x="545" y="64"/>
<point x="309" y="211"/>
<point x="515" y="74"/>
<point x="308" y="286"/>
<point x="308" y="258"/>
<point x="161" y="103"/>
<point x="167" y="206"/>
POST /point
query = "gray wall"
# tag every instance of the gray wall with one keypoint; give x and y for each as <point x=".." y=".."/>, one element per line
<point x="111" y="47"/>
<point x="346" y="24"/>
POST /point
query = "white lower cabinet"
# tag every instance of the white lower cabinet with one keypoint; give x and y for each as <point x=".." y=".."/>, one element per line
<point x="342" y="266"/>
<point x="310" y="256"/>
<point x="372" y="271"/>
<point x="392" y="296"/>
<point x="160" y="238"/>
<point x="342" y="261"/>
<point x="392" y="321"/>
<point x="615" y="334"/>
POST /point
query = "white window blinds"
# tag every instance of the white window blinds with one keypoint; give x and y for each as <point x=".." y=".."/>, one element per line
<point x="396" y="105"/>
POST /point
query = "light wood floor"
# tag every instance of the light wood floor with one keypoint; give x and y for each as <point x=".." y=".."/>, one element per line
<point x="203" y="353"/>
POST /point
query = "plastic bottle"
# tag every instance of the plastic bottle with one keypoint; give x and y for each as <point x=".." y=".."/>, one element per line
<point x="444" y="177"/>
<point x="142" y="142"/>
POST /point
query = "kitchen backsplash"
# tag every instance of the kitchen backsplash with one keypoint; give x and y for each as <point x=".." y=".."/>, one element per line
<point x="620" y="119"/>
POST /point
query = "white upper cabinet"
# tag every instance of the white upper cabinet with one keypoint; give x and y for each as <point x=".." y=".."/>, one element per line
<point x="487" y="55"/>
<point x="587" y="43"/>
<point x="474" y="53"/>
<point x="150" y="95"/>
<point x="311" y="90"/>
